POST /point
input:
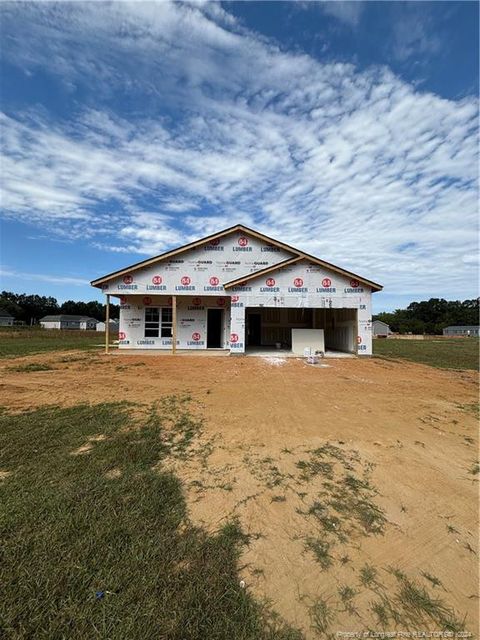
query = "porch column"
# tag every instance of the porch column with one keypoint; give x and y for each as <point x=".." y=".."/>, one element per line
<point x="107" y="323"/>
<point x="174" y="325"/>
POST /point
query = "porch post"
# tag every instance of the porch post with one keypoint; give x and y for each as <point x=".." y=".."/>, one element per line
<point x="107" y="323"/>
<point x="174" y="325"/>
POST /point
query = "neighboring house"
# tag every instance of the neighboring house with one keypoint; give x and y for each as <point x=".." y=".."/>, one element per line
<point x="380" y="329"/>
<point x="113" y="325"/>
<point x="238" y="289"/>
<point x="6" y="320"/>
<point x="471" y="330"/>
<point x="66" y="321"/>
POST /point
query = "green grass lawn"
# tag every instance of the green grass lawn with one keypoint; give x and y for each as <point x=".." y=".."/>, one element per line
<point x="99" y="544"/>
<point x="443" y="353"/>
<point x="22" y="341"/>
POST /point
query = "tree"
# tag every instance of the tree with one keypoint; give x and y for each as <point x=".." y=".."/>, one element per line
<point x="432" y="316"/>
<point x="31" y="307"/>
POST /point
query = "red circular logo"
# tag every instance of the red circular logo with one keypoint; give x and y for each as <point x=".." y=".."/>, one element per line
<point x="185" y="280"/>
<point x="123" y="300"/>
<point x="128" y="279"/>
<point x="214" y="242"/>
<point x="147" y="301"/>
<point x="298" y="282"/>
<point x="233" y="337"/>
<point x="243" y="241"/>
<point x="354" y="284"/>
<point x="270" y="282"/>
<point x="221" y="302"/>
<point x="157" y="280"/>
<point x="326" y="282"/>
<point x="122" y="335"/>
<point x="235" y="298"/>
<point x="196" y="302"/>
<point x="196" y="336"/>
<point x="359" y="339"/>
<point x="214" y="281"/>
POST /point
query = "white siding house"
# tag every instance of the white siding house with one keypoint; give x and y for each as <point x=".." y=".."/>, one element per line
<point x="66" y="321"/>
<point x="113" y="324"/>
<point x="236" y="290"/>
<point x="6" y="319"/>
<point x="380" y="329"/>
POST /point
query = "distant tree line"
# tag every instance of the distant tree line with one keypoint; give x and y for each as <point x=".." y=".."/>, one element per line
<point x="431" y="316"/>
<point x="30" y="308"/>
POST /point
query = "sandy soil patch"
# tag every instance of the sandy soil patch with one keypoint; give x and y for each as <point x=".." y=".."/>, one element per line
<point x="282" y="441"/>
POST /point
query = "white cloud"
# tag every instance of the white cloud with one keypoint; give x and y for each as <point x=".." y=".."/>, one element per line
<point x="345" y="164"/>
<point x="348" y="12"/>
<point x="41" y="277"/>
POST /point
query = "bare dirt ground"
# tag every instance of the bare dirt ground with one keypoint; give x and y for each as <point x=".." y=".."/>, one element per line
<point x="350" y="478"/>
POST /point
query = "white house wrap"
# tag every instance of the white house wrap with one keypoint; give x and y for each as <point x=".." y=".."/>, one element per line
<point x="238" y="289"/>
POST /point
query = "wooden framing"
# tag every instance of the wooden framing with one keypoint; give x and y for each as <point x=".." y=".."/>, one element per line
<point x="174" y="325"/>
<point x="107" y="323"/>
<point x="238" y="227"/>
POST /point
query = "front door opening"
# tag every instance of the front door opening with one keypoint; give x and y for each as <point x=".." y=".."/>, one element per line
<point x="214" y="328"/>
<point x="254" y="330"/>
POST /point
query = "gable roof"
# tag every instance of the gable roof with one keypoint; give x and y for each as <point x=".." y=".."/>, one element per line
<point x="463" y="326"/>
<point x="65" y="317"/>
<point x="297" y="254"/>
<point x="262" y="272"/>
<point x="5" y="314"/>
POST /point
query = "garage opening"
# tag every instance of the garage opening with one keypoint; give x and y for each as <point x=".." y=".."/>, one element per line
<point x="272" y="327"/>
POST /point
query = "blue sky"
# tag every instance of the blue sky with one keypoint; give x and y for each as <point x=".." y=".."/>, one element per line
<point x="347" y="129"/>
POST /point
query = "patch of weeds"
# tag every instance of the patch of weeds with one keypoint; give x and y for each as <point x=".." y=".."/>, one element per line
<point x="278" y="499"/>
<point x="381" y="609"/>
<point x="356" y="485"/>
<point x="266" y="471"/>
<point x="474" y="469"/>
<point x="469" y="547"/>
<point x="353" y="498"/>
<point x="329" y="450"/>
<point x="370" y="516"/>
<point x="177" y="425"/>
<point x="347" y="594"/>
<point x="472" y="408"/>
<point x="286" y="450"/>
<point x="344" y="560"/>
<point x="32" y="367"/>
<point x="317" y="509"/>
<point x="419" y="606"/>
<point x="312" y="468"/>
<point x="387" y="612"/>
<point x="469" y="439"/>
<point x="368" y="575"/>
<point x="321" y="615"/>
<point x="67" y="359"/>
<point x="233" y="531"/>
<point x="432" y="579"/>
<point x="451" y="529"/>
<point x="321" y="551"/>
<point x="403" y="508"/>
<point x="400" y="575"/>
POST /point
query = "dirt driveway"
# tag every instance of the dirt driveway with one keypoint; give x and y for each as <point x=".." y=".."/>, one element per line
<point x="357" y="481"/>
